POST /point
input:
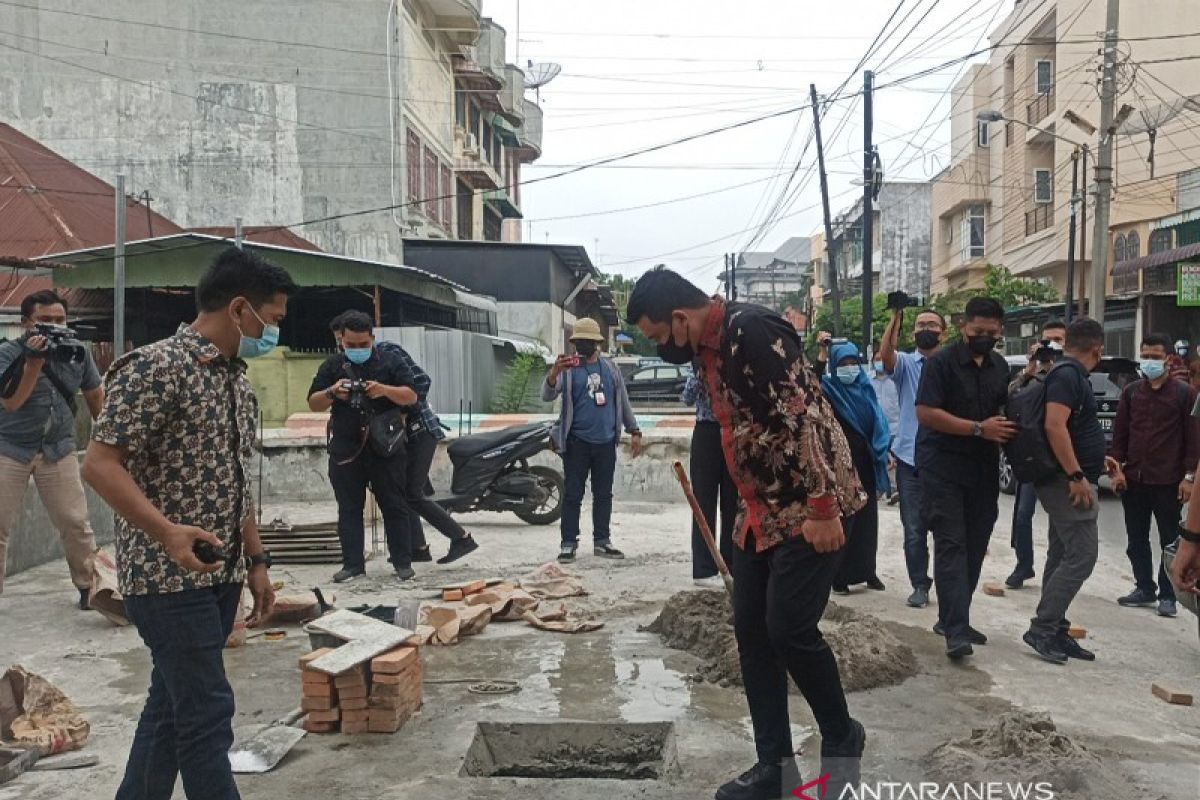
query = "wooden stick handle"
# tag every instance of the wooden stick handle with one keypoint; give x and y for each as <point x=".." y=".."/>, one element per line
<point x="701" y="522"/>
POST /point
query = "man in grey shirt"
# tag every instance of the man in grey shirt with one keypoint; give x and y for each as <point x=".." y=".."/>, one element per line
<point x="37" y="435"/>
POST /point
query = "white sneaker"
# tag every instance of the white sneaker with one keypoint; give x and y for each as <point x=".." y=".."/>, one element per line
<point x="712" y="582"/>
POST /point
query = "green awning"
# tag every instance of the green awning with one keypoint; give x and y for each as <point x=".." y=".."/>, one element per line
<point x="500" y="199"/>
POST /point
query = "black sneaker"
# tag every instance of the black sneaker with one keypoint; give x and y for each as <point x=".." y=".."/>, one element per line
<point x="919" y="598"/>
<point x="566" y="554"/>
<point x="842" y="762"/>
<point x="763" y="782"/>
<point x="973" y="636"/>
<point x="405" y="573"/>
<point x="1138" y="597"/>
<point x="85" y="600"/>
<point x="1072" y="648"/>
<point x="422" y="556"/>
<point x="1167" y="608"/>
<point x="1047" y="647"/>
<point x="458" y="549"/>
<point x="1018" y="578"/>
<point x="875" y="584"/>
<point x="840" y="588"/>
<point x="606" y="550"/>
<point x="348" y="574"/>
<point x="959" y="648"/>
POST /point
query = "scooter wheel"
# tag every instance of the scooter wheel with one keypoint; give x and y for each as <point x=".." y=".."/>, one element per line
<point x="551" y="509"/>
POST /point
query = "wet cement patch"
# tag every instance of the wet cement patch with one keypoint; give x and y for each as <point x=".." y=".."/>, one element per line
<point x="868" y="654"/>
<point x="558" y="750"/>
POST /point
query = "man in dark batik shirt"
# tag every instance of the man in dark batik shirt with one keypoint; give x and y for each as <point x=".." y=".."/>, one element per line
<point x="791" y="464"/>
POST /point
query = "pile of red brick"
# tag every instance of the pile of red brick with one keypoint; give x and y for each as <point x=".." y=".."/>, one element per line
<point x="374" y="698"/>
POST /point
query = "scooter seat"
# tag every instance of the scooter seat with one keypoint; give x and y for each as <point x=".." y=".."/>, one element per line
<point x="469" y="446"/>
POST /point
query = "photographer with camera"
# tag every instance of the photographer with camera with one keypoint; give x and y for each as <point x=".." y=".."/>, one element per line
<point x="367" y="391"/>
<point x="905" y="369"/>
<point x="41" y="373"/>
<point x="1043" y="355"/>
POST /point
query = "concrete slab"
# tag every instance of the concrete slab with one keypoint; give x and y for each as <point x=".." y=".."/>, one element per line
<point x="623" y="674"/>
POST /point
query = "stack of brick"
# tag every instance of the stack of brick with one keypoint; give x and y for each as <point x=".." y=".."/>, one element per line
<point x="376" y="698"/>
<point x="396" y="689"/>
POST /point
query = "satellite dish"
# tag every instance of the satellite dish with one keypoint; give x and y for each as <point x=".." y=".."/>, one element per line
<point x="538" y="75"/>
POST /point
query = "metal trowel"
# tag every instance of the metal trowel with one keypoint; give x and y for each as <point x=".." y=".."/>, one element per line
<point x="266" y="746"/>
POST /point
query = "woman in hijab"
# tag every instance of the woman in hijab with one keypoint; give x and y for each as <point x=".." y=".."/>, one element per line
<point x="857" y="407"/>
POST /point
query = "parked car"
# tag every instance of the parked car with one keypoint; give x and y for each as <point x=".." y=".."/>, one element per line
<point x="660" y="383"/>
<point x="1109" y="379"/>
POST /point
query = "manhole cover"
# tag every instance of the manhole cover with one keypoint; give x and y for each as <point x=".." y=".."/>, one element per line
<point x="620" y="751"/>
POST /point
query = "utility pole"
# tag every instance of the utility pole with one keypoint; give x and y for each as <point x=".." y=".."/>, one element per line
<point x="834" y="293"/>
<point x="119" y="270"/>
<point x="1104" y="163"/>
<point x="1083" y="253"/>
<point x="733" y="257"/>
<point x="1070" y="300"/>
<point x="237" y="232"/>
<point x="868" y="226"/>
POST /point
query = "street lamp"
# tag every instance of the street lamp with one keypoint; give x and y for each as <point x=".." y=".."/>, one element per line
<point x="1069" y="301"/>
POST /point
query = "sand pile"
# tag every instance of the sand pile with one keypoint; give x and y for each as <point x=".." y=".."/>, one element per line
<point x="701" y="622"/>
<point x="1025" y="747"/>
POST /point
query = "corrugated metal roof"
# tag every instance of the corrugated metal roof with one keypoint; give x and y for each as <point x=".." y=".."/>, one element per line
<point x="50" y="205"/>
<point x="1189" y="252"/>
<point x="264" y="234"/>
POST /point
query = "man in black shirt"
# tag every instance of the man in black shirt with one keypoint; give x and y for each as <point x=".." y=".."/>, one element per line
<point x="963" y="387"/>
<point x="1075" y="436"/>
<point x="353" y="464"/>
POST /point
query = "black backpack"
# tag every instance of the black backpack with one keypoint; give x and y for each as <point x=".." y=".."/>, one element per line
<point x="1029" y="453"/>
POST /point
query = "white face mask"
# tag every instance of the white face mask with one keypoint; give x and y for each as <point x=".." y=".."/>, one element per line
<point x="849" y="374"/>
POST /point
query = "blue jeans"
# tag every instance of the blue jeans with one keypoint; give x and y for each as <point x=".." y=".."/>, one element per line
<point x="1022" y="526"/>
<point x="600" y="461"/>
<point x="916" y="531"/>
<point x="186" y="726"/>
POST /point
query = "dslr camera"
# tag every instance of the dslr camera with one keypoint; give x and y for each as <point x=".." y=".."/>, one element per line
<point x="830" y="341"/>
<point x="898" y="301"/>
<point x="358" y="394"/>
<point x="61" y="344"/>
<point x="1048" y="351"/>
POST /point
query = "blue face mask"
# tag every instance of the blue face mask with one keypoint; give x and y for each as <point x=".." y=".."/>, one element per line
<point x="878" y="365"/>
<point x="849" y="374"/>
<point x="250" y="347"/>
<point x="359" y="355"/>
<point x="1151" y="369"/>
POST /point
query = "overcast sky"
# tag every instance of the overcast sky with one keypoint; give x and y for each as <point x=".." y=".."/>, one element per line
<point x="637" y="73"/>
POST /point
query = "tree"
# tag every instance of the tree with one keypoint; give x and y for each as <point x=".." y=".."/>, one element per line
<point x="621" y="287"/>
<point x="1013" y="292"/>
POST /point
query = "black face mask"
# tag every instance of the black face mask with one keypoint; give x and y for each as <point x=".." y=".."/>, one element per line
<point x="585" y="348"/>
<point x="926" y="340"/>
<point x="675" y="354"/>
<point x="981" y="345"/>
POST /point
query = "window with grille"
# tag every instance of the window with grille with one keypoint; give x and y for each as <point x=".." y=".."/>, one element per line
<point x="974" y="225"/>
<point x="1161" y="240"/>
<point x="1044" y="80"/>
<point x="430" y="170"/>
<point x="1119" y="248"/>
<point x="414" y="167"/>
<point x="447" y="194"/>
<point x="1133" y="245"/>
<point x="1043" y="186"/>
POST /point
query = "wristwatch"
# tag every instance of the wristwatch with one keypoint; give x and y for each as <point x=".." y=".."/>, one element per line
<point x="1188" y="536"/>
<point x="977" y="429"/>
<point x="263" y="559"/>
<point x="1076" y="477"/>
<point x="1190" y="477"/>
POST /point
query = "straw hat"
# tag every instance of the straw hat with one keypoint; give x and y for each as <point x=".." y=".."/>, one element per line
<point x="586" y="329"/>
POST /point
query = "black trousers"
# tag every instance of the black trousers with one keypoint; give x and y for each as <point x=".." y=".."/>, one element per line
<point x="1141" y="502"/>
<point x="778" y="599"/>
<point x="386" y="478"/>
<point x="421" y="449"/>
<point x="961" y="518"/>
<point x="713" y="487"/>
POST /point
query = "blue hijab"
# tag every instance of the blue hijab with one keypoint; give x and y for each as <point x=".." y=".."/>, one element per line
<point x="857" y="405"/>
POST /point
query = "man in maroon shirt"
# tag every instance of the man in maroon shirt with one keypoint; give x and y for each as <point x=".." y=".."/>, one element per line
<point x="1155" y="447"/>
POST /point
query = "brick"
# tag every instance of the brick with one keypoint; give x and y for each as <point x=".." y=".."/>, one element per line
<point x="356" y="727"/>
<point x="320" y="727"/>
<point x="1076" y="632"/>
<point x="993" y="589"/>
<point x="317" y="703"/>
<point x="1170" y="696"/>
<point x="351" y="682"/>
<point x="353" y="692"/>
<point x="312" y="676"/>
<point x="386" y="724"/>
<point x="354" y="704"/>
<point x="318" y="690"/>
<point x="355" y="716"/>
<point x="395" y="661"/>
<point x="474" y="587"/>
<point x="411" y="685"/>
<point x="450" y="595"/>
<point x="308" y="658"/>
<point x="332" y="715"/>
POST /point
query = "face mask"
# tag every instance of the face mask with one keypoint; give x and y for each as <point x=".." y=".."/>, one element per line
<point x="926" y="340"/>
<point x="878" y="367"/>
<point x="358" y="355"/>
<point x="981" y="345"/>
<point x="585" y="348"/>
<point x="250" y="347"/>
<point x="676" y="354"/>
<point x="1151" y="369"/>
<point x="849" y="374"/>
